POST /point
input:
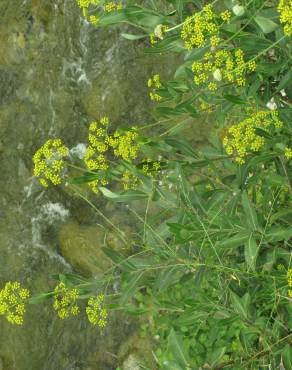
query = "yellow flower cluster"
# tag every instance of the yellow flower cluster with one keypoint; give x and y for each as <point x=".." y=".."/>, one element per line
<point x="49" y="163"/>
<point x="285" y="10"/>
<point x="226" y="16"/>
<point x="149" y="167"/>
<point x="198" y="28"/>
<point x="243" y="137"/>
<point x="111" y="6"/>
<point x="289" y="279"/>
<point x="154" y="84"/>
<point x="65" y="301"/>
<point x="95" y="158"/>
<point x="12" y="302"/>
<point x="124" y="146"/>
<point x="206" y="107"/>
<point x="288" y="153"/>
<point x="93" y="19"/>
<point x="96" y="313"/>
<point x="222" y="65"/>
<point x="129" y="180"/>
<point x="85" y="4"/>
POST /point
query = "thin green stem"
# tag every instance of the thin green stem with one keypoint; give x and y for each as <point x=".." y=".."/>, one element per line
<point x="120" y="233"/>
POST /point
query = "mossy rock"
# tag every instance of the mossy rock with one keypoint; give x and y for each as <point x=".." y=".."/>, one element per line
<point x="136" y="352"/>
<point x="81" y="246"/>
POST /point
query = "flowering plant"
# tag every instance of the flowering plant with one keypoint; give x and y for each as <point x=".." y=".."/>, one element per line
<point x="212" y="275"/>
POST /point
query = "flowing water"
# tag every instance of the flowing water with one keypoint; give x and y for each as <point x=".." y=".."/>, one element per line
<point x="56" y="74"/>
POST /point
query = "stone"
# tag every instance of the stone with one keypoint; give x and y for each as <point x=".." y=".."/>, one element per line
<point x="132" y="363"/>
<point x="136" y="353"/>
<point x="81" y="246"/>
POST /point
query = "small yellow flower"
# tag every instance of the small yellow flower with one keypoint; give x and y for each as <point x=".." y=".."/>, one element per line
<point x="285" y="10"/>
<point x="222" y="65"/>
<point x="288" y="153"/>
<point x="96" y="313"/>
<point x="198" y="28"/>
<point x="103" y="146"/>
<point x="243" y="138"/>
<point x="65" y="301"/>
<point x="93" y="19"/>
<point x="226" y="16"/>
<point x="154" y="84"/>
<point x="48" y="162"/>
<point x="112" y="6"/>
<point x="12" y="302"/>
<point x="215" y="40"/>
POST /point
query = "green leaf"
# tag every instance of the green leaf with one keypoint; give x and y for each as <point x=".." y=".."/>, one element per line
<point x="281" y="214"/>
<point x="176" y="347"/>
<point x="123" y="197"/>
<point x="216" y="356"/>
<point x="130" y="290"/>
<point x="170" y="43"/>
<point x="250" y="213"/>
<point x="251" y="252"/>
<point x="179" y="4"/>
<point x="287" y="357"/>
<point x="252" y="43"/>
<point x="170" y="276"/>
<point x="119" y="259"/>
<point x="234" y="241"/>
<point x="234" y="99"/>
<point x="277" y="233"/>
<point x="87" y="177"/>
<point x="40" y="298"/>
<point x="129" y="36"/>
<point x="182" y="146"/>
<point x="267" y="25"/>
<point x="239" y="304"/>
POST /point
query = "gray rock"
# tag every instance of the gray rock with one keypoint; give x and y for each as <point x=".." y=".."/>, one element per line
<point x="132" y="363"/>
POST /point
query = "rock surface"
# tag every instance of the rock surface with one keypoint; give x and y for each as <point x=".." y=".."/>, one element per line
<point x="81" y="246"/>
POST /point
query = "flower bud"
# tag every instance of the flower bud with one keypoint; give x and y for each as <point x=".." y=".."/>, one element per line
<point x="238" y="10"/>
<point x="158" y="32"/>
<point x="217" y="75"/>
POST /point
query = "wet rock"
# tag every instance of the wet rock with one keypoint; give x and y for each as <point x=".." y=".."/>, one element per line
<point x="81" y="246"/>
<point x="132" y="363"/>
<point x="136" y="352"/>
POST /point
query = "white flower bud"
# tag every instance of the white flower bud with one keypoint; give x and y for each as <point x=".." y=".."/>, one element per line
<point x="238" y="10"/>
<point x="217" y="75"/>
<point x="158" y="31"/>
<point x="272" y="104"/>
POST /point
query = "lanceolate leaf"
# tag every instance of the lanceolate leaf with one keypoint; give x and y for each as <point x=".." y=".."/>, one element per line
<point x="250" y="212"/>
<point x="123" y="197"/>
<point x="251" y="252"/>
<point x="119" y="259"/>
<point x="287" y="357"/>
<point x="239" y="304"/>
<point x="131" y="287"/>
<point x="266" y="24"/>
<point x="175" y="345"/>
<point x="129" y="36"/>
<point x="276" y="234"/>
<point x="234" y="241"/>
